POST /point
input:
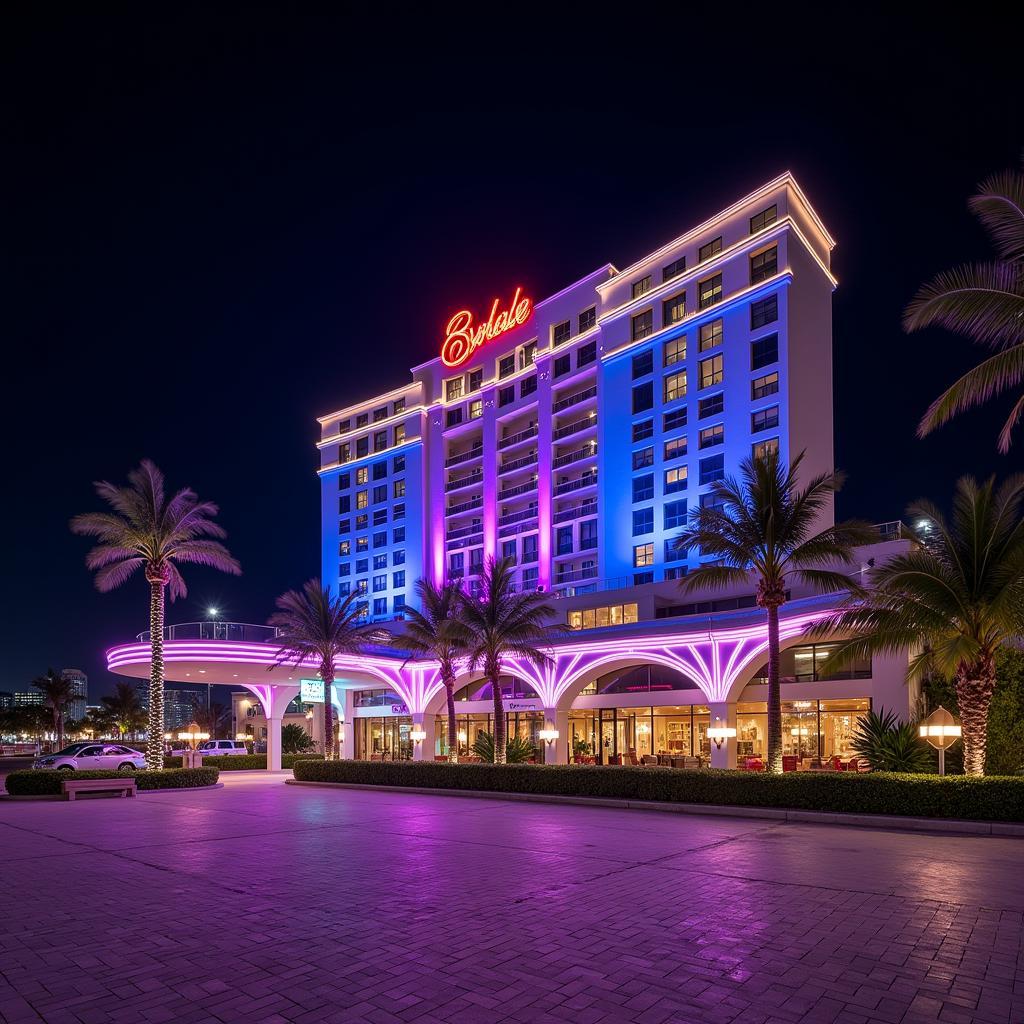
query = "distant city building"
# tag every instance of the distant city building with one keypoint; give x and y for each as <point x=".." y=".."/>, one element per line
<point x="6" y="700"/>
<point x="179" y="707"/>
<point x="80" y="682"/>
<point x="27" y="698"/>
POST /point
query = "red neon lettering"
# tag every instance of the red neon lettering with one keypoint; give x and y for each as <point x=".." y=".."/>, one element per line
<point x="462" y="338"/>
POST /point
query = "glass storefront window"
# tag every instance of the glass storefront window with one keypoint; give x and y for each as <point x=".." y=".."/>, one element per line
<point x="383" y="739"/>
<point x="525" y="724"/>
<point x="810" y="728"/>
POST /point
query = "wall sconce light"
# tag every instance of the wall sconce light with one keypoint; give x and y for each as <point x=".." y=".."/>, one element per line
<point x="720" y="733"/>
<point x="417" y="735"/>
<point x="548" y="735"/>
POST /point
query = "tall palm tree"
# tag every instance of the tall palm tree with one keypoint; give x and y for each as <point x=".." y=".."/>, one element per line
<point x="58" y="693"/>
<point x="123" y="710"/>
<point x="314" y="624"/>
<point x="958" y="599"/>
<point x="501" y="622"/>
<point x="436" y="631"/>
<point x="985" y="301"/>
<point x="148" y="531"/>
<point x="761" y="525"/>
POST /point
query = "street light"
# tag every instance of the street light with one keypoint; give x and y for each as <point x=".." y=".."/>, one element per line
<point x="941" y="730"/>
<point x="193" y="734"/>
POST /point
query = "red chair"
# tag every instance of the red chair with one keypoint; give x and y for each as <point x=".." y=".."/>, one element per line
<point x="790" y="762"/>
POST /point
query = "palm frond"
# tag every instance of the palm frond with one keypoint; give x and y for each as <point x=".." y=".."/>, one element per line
<point x="999" y="205"/>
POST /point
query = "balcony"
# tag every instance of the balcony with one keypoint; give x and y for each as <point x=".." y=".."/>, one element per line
<point x="513" y="464"/>
<point x="240" y="632"/>
<point x="518" y="437"/>
<point x="517" y="517"/>
<point x="463" y="481"/>
<point x="576" y="575"/>
<point x="587" y="480"/>
<point x="574" y="428"/>
<point x="465" y="506"/>
<point x="588" y="451"/>
<point x="455" y="460"/>
<point x="513" y="492"/>
<point x="571" y="400"/>
<point x="463" y="531"/>
<point x="587" y="508"/>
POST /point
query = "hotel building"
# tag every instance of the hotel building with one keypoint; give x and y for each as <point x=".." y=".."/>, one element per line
<point x="574" y="433"/>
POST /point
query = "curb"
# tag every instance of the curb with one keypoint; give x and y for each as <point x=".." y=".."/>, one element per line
<point x="948" y="826"/>
<point x="138" y="792"/>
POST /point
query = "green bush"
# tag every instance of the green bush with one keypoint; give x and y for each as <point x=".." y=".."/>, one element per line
<point x="994" y="798"/>
<point x="48" y="782"/>
<point x="517" y="749"/>
<point x="295" y="740"/>
<point x="244" y="762"/>
<point x="889" y="745"/>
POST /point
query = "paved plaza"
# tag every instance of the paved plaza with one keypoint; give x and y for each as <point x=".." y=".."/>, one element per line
<point x="261" y="902"/>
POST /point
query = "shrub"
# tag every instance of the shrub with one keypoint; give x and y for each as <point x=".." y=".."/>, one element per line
<point x="889" y="745"/>
<point x="295" y="739"/>
<point x="986" y="799"/>
<point x="517" y="749"/>
<point x="48" y="783"/>
<point x="244" y="762"/>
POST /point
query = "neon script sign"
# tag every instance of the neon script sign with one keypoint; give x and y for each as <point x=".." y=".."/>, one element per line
<point x="463" y="338"/>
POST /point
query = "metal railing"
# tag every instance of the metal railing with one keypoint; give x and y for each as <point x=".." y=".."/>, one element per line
<point x="473" y="453"/>
<point x="575" y="485"/>
<point x="465" y="506"/>
<point x="573" y="428"/>
<point x="576" y="576"/>
<point x="587" y="452"/>
<point x="463" y="481"/>
<point x="463" y="531"/>
<point x="214" y="629"/>
<point x="576" y="512"/>
<point x="569" y="400"/>
<point x="517" y="517"/>
<point x="526" y="460"/>
<point x="512" y="492"/>
<point x="522" y="435"/>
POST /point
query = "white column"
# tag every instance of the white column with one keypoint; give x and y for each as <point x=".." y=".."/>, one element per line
<point x="274" y="742"/>
<point x="726" y="757"/>
<point x="348" y="732"/>
<point x="557" y="751"/>
<point x="424" y="750"/>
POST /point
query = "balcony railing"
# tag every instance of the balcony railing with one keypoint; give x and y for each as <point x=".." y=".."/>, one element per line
<point x="465" y="506"/>
<point x="574" y="428"/>
<point x="463" y="481"/>
<point x="570" y="400"/>
<point x="522" y="435"/>
<point x="463" y="531"/>
<point x="512" y="492"/>
<point x="895" y="530"/>
<point x="526" y="460"/>
<point x="576" y="512"/>
<point x="242" y="632"/>
<point x="586" y="452"/>
<point x="590" y="586"/>
<point x="517" y="517"/>
<point x="576" y="576"/>
<point x="576" y="485"/>
<point x="455" y="460"/>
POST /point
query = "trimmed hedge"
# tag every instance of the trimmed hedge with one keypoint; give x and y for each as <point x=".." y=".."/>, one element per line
<point x="245" y="762"/>
<point x="47" y="782"/>
<point x="999" y="798"/>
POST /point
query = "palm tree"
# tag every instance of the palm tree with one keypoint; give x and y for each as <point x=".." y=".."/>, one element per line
<point x="58" y="693"/>
<point x="985" y="301"/>
<point x="501" y="622"/>
<point x="147" y="531"/>
<point x="436" y="631"/>
<point x="214" y="718"/>
<point x="958" y="599"/>
<point x="313" y="624"/>
<point x="762" y="524"/>
<point x="123" y="710"/>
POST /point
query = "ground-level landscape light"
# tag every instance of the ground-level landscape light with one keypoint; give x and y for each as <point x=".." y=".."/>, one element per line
<point x="941" y="730"/>
<point x="548" y="735"/>
<point x="720" y="733"/>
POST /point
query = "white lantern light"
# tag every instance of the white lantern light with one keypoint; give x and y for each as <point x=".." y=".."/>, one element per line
<point x="719" y="733"/>
<point x="941" y="730"/>
<point x="416" y="734"/>
<point x="548" y="735"/>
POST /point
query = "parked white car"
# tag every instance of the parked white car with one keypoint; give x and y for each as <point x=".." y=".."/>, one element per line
<point x="87" y="757"/>
<point x="222" y="748"/>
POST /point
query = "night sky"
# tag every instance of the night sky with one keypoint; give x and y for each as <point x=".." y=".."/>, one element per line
<point x="219" y="226"/>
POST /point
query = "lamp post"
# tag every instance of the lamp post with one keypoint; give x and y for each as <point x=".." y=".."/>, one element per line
<point x="193" y="735"/>
<point x="941" y="730"/>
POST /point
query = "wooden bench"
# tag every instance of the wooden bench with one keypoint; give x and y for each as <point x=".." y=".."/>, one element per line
<point x="71" y="787"/>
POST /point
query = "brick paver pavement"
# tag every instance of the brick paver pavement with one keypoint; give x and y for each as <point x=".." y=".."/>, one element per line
<point x="270" y="904"/>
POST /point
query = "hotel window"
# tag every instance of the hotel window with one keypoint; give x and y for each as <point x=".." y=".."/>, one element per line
<point x="673" y="310"/>
<point x="399" y="433"/>
<point x="380" y="493"/>
<point x="506" y="396"/>
<point x="675" y="449"/>
<point x="361" y="521"/>
<point x="712" y="469"/>
<point x="674" y="351"/>
<point x="345" y="547"/>
<point x="675" y="514"/>
<point x="345" y="569"/>
<point x="398" y="489"/>
<point x="643" y="364"/>
<point x="398" y="406"/>
<point x="506" y="365"/>
<point x="562" y="365"/>
<point x="362" y="475"/>
<point x="673" y="553"/>
<point x="711" y="406"/>
<point x="453" y="389"/>
<point x="454" y="417"/>
<point x="713" y="248"/>
<point x="643" y="397"/>
<point x="362" y="447"/>
<point x="530" y="548"/>
<point x="643" y="554"/>
<point x="380" y="440"/>
<point x="674" y="269"/>
<point x="643" y="521"/>
<point x="476" y="561"/>
<point x="380" y="606"/>
<point x="345" y="452"/>
<point x="763" y="219"/>
<point x="643" y="430"/>
<point x="712" y="500"/>
<point x="344" y="589"/>
<point x="362" y="419"/>
<point x="764" y="311"/>
<point x="527" y="386"/>
<point x="398" y="579"/>
<point x="764" y="351"/>
<point x="588" y="535"/>
<point x="398" y="557"/>
<point x="344" y="526"/>
<point x="380" y="414"/>
<point x="527" y="354"/>
<point x="711" y="334"/>
<point x="398" y="604"/>
<point x="642" y="578"/>
<point x="344" y="481"/>
<point x="476" y="408"/>
<point x="709" y="291"/>
<point x="398" y="535"/>
<point x="344" y="426"/>
<point x="587" y="319"/>
<point x="641" y="287"/>
<point x="380" y="469"/>
<point x="380" y="561"/>
<point x="764" y="265"/>
<point x="344" y="504"/>
<point x="597" y="618"/>
<point x="710" y="436"/>
<point x="674" y="420"/>
<point x="674" y="386"/>
<point x="508" y="549"/>
<point x="476" y="378"/>
<point x="762" y="387"/>
<point x="561" y="333"/>
<point x="563" y="540"/>
<point x="675" y="480"/>
<point x="643" y="487"/>
<point x="362" y="564"/>
<point x="380" y="516"/>
<point x="398" y="464"/>
<point x="456" y="564"/>
<point x="643" y="458"/>
<point x="642" y="324"/>
<point x="362" y="499"/>
<point x="711" y="371"/>
<point x="586" y="354"/>
<point x="763" y="448"/>
<point x="380" y="583"/>
<point x="530" y="577"/>
<point x="764" y="419"/>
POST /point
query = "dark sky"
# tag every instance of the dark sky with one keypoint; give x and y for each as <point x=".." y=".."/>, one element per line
<point x="218" y="226"/>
